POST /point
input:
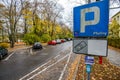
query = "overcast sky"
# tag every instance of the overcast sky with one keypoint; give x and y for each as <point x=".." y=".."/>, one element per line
<point x="69" y="4"/>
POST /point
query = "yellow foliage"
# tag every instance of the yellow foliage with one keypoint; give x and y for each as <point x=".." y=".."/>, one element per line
<point x="58" y="29"/>
<point x="5" y="45"/>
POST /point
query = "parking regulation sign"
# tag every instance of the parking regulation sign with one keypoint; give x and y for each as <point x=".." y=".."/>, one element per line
<point x="90" y="46"/>
<point x="91" y="20"/>
<point x="89" y="60"/>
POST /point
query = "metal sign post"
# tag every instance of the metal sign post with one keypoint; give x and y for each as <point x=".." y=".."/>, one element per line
<point x="88" y="70"/>
<point x="89" y="61"/>
<point x="90" y="31"/>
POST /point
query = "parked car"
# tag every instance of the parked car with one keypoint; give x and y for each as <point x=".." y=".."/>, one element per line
<point x="37" y="45"/>
<point x="62" y="40"/>
<point x="58" y="41"/>
<point x="53" y="42"/>
<point x="69" y="39"/>
<point x="3" y="52"/>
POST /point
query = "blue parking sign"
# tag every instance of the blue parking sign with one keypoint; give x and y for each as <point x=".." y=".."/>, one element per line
<point x="91" y="20"/>
<point x="89" y="60"/>
<point x="88" y="68"/>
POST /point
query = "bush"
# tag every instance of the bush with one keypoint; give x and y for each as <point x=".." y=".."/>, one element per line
<point x="115" y="42"/>
<point x="60" y="36"/>
<point x="4" y="45"/>
<point x="31" y="38"/>
<point x="45" y="38"/>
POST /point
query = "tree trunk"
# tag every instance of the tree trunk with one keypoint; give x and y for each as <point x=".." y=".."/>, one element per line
<point x="2" y="35"/>
<point x="12" y="40"/>
<point x="25" y="26"/>
<point x="12" y="43"/>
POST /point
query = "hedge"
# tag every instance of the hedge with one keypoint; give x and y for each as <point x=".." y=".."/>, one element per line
<point x="114" y="42"/>
<point x="4" y="45"/>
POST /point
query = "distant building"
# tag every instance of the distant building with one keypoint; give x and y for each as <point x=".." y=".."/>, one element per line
<point x="117" y="17"/>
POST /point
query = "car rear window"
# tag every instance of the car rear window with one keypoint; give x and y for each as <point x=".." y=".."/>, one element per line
<point x="37" y="43"/>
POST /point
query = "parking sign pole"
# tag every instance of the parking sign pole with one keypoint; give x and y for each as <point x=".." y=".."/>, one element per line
<point x="88" y="74"/>
<point x="89" y="61"/>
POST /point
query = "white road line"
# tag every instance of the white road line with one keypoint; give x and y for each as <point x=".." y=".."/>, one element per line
<point x="36" y="69"/>
<point x="12" y="54"/>
<point x="44" y="48"/>
<point x="47" y="68"/>
<point x="9" y="56"/>
<point x="57" y="56"/>
<point x="62" y="73"/>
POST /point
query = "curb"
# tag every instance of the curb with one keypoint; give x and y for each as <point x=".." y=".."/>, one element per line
<point x="76" y="70"/>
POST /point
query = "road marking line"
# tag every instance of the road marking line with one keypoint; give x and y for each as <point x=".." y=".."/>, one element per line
<point x="44" y="48"/>
<point x="36" y="69"/>
<point x="57" y="56"/>
<point x="12" y="54"/>
<point x="62" y="73"/>
<point x="9" y="56"/>
<point x="47" y="68"/>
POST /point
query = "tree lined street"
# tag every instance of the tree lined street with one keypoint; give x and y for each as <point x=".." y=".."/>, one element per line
<point x="25" y="20"/>
<point x="49" y="63"/>
<point x="22" y="62"/>
<point x="59" y="40"/>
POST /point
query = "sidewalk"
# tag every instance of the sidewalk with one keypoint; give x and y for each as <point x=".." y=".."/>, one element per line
<point x="114" y="56"/>
<point x="113" y="48"/>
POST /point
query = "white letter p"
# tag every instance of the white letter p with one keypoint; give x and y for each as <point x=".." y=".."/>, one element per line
<point x="96" y="19"/>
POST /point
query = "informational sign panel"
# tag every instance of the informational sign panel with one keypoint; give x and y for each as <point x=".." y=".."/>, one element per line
<point x="91" y="20"/>
<point x="90" y="47"/>
<point x="88" y="68"/>
<point x="89" y="60"/>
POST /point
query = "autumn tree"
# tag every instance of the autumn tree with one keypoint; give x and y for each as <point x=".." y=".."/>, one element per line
<point x="26" y="14"/>
<point x="51" y="11"/>
<point x="114" y="29"/>
<point x="12" y="14"/>
<point x="114" y="37"/>
<point x="2" y="22"/>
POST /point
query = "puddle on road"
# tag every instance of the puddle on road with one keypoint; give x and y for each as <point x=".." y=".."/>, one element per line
<point x="44" y="54"/>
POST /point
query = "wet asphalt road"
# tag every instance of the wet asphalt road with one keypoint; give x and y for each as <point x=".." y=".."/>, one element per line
<point x="22" y="62"/>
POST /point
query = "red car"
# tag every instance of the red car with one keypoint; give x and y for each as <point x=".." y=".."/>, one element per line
<point x="53" y="42"/>
<point x="62" y="40"/>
